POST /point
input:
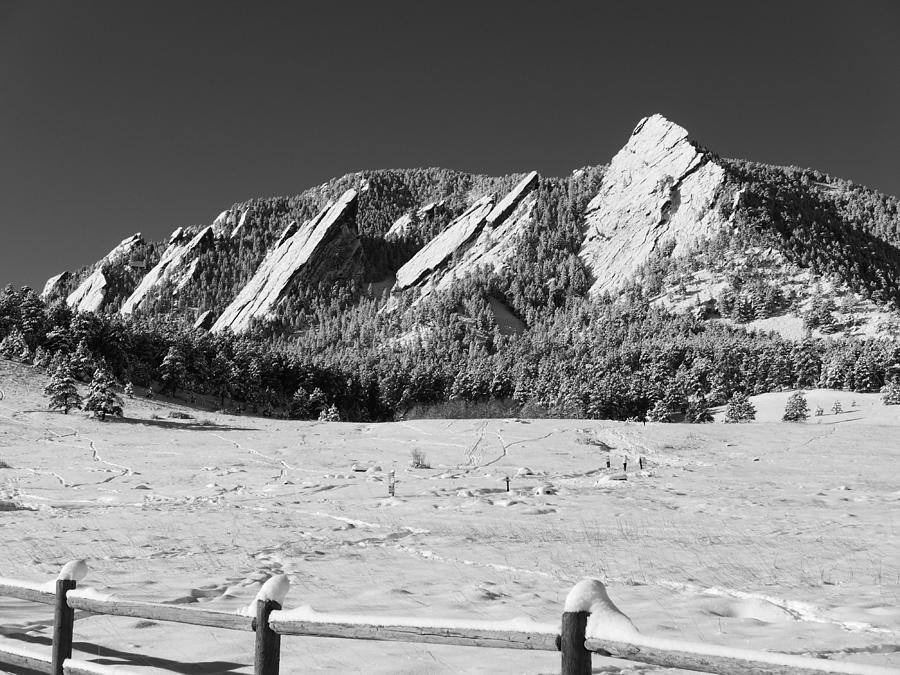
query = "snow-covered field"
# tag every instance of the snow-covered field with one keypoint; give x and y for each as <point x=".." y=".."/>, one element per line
<point x="765" y="536"/>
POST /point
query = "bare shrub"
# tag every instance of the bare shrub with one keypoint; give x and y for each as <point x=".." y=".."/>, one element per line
<point x="418" y="460"/>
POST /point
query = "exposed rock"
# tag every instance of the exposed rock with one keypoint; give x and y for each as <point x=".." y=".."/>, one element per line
<point x="326" y="247"/>
<point x="54" y="284"/>
<point x="178" y="265"/>
<point x="659" y="188"/>
<point x="205" y="320"/>
<point x="482" y="235"/>
<point x="91" y="293"/>
<point x="240" y="226"/>
<point x="223" y="221"/>
<point x="401" y="226"/>
<point x="440" y="249"/>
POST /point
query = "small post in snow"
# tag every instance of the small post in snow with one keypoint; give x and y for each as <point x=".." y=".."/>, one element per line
<point x="267" y="655"/>
<point x="625" y="464"/>
<point x="608" y="462"/>
<point x="507" y="483"/>
<point x="63" y="626"/>
<point x="641" y="462"/>
<point x="391" y="483"/>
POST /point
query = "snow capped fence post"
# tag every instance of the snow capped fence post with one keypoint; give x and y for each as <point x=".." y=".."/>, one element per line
<point x="63" y="615"/>
<point x="576" y="659"/>
<point x="391" y="483"/>
<point x="267" y="655"/>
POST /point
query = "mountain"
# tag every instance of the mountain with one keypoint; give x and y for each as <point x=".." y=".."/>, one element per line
<point x="663" y="200"/>
<point x="660" y="283"/>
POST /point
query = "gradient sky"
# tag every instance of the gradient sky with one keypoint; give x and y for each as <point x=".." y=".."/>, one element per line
<point x="126" y="116"/>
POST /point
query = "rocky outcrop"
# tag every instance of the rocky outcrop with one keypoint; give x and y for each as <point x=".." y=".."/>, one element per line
<point x="659" y="188"/>
<point x="54" y="284"/>
<point x="91" y="293"/>
<point x="240" y="226"/>
<point x="324" y="248"/>
<point x="482" y="235"/>
<point x="177" y="265"/>
<point x="205" y="320"/>
<point x="403" y="224"/>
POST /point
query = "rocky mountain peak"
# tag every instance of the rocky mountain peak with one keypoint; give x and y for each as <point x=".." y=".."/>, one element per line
<point x="660" y="187"/>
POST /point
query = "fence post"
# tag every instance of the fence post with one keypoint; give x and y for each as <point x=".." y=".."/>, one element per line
<point x="267" y="656"/>
<point x="576" y="659"/>
<point x="63" y="625"/>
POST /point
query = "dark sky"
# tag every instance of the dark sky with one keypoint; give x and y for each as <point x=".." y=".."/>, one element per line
<point x="126" y="116"/>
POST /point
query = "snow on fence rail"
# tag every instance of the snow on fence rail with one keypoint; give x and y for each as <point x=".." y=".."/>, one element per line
<point x="591" y="624"/>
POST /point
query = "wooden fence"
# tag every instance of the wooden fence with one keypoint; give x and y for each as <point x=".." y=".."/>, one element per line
<point x="270" y="623"/>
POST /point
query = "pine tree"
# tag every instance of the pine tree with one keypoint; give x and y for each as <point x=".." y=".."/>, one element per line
<point x="739" y="409"/>
<point x="62" y="390"/>
<point x="82" y="361"/>
<point x="41" y="358"/>
<point x="58" y="359"/>
<point x="300" y="404"/>
<point x="172" y="371"/>
<point x="330" y="414"/>
<point x="13" y="346"/>
<point x="129" y="390"/>
<point x="890" y="392"/>
<point x="101" y="399"/>
<point x="661" y="411"/>
<point x="698" y="411"/>
<point x="837" y="408"/>
<point x="796" y="410"/>
<point x="317" y="401"/>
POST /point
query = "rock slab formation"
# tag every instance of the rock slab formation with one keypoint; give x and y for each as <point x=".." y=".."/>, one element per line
<point x="178" y="265"/>
<point x="482" y="235"/>
<point x="326" y="247"/>
<point x="54" y="283"/>
<point x="659" y="188"/>
<point x="91" y="293"/>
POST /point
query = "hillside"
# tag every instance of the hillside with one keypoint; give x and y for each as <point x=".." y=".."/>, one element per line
<point x="428" y="291"/>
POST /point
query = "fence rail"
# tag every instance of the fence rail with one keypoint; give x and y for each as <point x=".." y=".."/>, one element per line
<point x="612" y="633"/>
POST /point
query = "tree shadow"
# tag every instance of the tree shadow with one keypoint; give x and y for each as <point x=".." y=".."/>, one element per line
<point x="186" y="425"/>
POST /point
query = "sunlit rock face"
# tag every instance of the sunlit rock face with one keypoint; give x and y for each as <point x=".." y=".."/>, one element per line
<point x="483" y="235"/>
<point x="659" y="188"/>
<point x="324" y="248"/>
<point x="178" y="265"/>
<point x="403" y="224"/>
<point x="54" y="284"/>
<point x="91" y="293"/>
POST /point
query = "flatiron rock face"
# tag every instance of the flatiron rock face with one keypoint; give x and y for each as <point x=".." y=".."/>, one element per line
<point x="482" y="235"/>
<point x="91" y="293"/>
<point x="178" y="264"/>
<point x="53" y="284"/>
<point x="324" y="248"/>
<point x="659" y="188"/>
